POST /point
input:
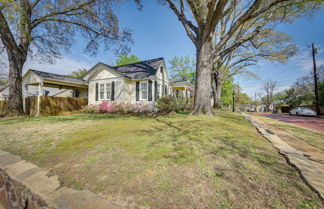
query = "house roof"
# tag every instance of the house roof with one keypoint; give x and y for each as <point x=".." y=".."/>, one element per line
<point x="140" y="70"/>
<point x="53" y="76"/>
<point x="177" y="80"/>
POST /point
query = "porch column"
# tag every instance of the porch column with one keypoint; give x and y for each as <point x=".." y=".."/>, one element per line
<point x="40" y="93"/>
<point x="25" y="94"/>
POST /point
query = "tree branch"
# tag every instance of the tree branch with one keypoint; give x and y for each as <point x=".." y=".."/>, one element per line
<point x="66" y="12"/>
<point x="189" y="27"/>
<point x="6" y="35"/>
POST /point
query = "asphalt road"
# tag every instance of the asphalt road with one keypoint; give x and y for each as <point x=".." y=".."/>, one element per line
<point x="313" y="123"/>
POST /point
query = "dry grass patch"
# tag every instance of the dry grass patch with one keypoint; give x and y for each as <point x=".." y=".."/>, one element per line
<point x="173" y="161"/>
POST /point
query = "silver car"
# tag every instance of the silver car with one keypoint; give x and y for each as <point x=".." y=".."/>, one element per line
<point x="302" y="111"/>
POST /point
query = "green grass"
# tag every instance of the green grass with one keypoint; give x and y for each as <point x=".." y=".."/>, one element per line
<point x="311" y="137"/>
<point x="172" y="161"/>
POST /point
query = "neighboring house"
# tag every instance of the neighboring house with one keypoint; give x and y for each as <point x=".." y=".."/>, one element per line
<point x="4" y="93"/>
<point x="49" y="84"/>
<point x="141" y="82"/>
<point x="182" y="88"/>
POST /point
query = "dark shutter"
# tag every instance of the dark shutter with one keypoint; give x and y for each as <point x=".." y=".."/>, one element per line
<point x="137" y="91"/>
<point x="155" y="90"/>
<point x="112" y="90"/>
<point x="150" y="90"/>
<point x="97" y="88"/>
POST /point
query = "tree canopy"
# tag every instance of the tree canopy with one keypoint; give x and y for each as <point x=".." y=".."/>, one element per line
<point x="183" y="67"/>
<point x="78" y="73"/>
<point x="206" y="20"/>
<point x="41" y="29"/>
<point x="126" y="59"/>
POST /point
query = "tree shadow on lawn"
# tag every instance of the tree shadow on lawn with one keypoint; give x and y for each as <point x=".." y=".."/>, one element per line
<point x="64" y="118"/>
<point x="216" y="144"/>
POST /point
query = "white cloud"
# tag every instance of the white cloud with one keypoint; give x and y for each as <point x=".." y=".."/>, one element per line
<point x="63" y="66"/>
<point x="304" y="61"/>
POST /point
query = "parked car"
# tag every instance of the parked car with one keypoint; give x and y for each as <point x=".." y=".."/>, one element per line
<point x="302" y="111"/>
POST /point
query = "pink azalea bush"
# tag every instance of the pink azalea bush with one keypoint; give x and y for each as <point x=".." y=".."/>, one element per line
<point x="120" y="108"/>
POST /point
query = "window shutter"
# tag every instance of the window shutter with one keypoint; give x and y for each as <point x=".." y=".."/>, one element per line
<point x="155" y="90"/>
<point x="112" y="90"/>
<point x="150" y="90"/>
<point x="137" y="91"/>
<point x="97" y="88"/>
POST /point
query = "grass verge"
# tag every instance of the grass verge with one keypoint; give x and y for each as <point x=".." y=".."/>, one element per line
<point x="311" y="137"/>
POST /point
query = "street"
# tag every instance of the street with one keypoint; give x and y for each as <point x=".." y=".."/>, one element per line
<point x="313" y="123"/>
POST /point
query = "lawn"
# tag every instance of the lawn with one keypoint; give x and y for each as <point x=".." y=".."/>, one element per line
<point x="311" y="137"/>
<point x="173" y="161"/>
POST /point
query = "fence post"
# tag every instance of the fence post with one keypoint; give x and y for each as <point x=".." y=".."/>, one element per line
<point x="40" y="92"/>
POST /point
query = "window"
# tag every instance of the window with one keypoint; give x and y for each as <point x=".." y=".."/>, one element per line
<point x="143" y="89"/>
<point x="166" y="89"/>
<point x="158" y="91"/>
<point x="108" y="91"/>
<point x="102" y="91"/>
<point x="161" y="69"/>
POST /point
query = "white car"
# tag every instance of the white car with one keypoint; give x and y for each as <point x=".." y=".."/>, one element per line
<point x="302" y="111"/>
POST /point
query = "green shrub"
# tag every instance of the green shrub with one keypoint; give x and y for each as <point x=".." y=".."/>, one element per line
<point x="166" y="104"/>
<point x="184" y="104"/>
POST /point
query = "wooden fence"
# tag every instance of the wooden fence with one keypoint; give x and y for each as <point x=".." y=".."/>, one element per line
<point x="3" y="107"/>
<point x="54" y="105"/>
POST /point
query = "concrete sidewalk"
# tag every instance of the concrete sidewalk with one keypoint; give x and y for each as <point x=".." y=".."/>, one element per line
<point x="308" y="161"/>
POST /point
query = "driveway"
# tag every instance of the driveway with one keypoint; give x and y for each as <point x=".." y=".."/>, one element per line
<point x="313" y="123"/>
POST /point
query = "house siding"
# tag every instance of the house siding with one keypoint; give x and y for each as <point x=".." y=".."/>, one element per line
<point x="104" y="77"/>
<point x="125" y="89"/>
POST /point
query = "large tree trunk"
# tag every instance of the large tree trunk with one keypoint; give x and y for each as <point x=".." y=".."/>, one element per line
<point x="202" y="104"/>
<point x="218" y="92"/>
<point x="15" y="104"/>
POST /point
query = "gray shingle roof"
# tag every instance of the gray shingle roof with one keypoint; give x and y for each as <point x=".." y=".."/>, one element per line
<point x="181" y="79"/>
<point x="140" y="70"/>
<point x="57" y="77"/>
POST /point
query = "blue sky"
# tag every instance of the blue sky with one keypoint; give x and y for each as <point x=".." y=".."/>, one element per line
<point x="158" y="33"/>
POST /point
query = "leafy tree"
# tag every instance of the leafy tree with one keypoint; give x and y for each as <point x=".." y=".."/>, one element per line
<point x="321" y="92"/>
<point x="240" y="97"/>
<point x="205" y="24"/>
<point x="183" y="67"/>
<point x="41" y="29"/>
<point x="126" y="59"/>
<point x="227" y="91"/>
<point x="78" y="74"/>
<point x="301" y="92"/>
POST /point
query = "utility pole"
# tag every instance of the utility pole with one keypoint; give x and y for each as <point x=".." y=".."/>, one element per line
<point x="314" y="51"/>
<point x="233" y="95"/>
<point x="255" y="102"/>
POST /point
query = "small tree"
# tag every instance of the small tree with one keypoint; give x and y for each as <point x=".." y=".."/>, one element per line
<point x="269" y="88"/>
<point x="126" y="59"/>
<point x="41" y="28"/>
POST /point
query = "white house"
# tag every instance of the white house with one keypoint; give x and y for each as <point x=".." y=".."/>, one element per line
<point x="141" y="82"/>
